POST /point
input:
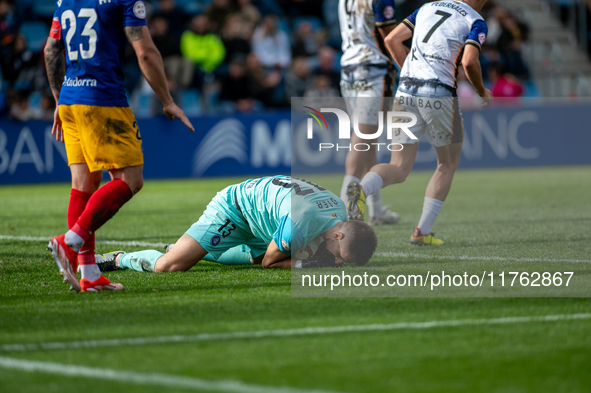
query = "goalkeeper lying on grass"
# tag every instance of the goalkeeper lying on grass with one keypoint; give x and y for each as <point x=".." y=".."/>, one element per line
<point x="261" y="221"/>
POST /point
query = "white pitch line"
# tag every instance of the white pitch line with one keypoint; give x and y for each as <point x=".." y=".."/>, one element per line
<point x="113" y="242"/>
<point x="469" y="258"/>
<point x="378" y="254"/>
<point x="285" y="333"/>
<point x="138" y="378"/>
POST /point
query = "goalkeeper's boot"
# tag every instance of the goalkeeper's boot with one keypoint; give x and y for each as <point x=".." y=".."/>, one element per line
<point x="102" y="284"/>
<point x="386" y="217"/>
<point x="356" y="204"/>
<point x="424" y="240"/>
<point x="66" y="259"/>
<point x="106" y="262"/>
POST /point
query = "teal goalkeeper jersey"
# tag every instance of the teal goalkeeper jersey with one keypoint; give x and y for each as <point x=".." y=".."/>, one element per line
<point x="291" y="211"/>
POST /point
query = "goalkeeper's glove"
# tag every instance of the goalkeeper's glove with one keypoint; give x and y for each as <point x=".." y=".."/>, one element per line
<point x="321" y="258"/>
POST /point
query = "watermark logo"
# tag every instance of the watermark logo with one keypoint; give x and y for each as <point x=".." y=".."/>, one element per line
<point x="315" y="117"/>
<point x="395" y="122"/>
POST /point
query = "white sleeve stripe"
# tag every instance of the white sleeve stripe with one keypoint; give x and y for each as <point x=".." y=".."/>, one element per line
<point x="409" y="23"/>
<point x="474" y="42"/>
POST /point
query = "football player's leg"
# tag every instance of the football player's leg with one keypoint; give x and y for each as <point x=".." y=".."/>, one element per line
<point x="396" y="171"/>
<point x="84" y="184"/>
<point x="110" y="141"/>
<point x="104" y="204"/>
<point x="185" y="254"/>
<point x="446" y="134"/>
<point x="239" y="255"/>
<point x="448" y="160"/>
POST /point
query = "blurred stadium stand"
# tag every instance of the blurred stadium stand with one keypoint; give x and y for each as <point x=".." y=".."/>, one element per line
<point x="535" y="47"/>
<point x="558" y="51"/>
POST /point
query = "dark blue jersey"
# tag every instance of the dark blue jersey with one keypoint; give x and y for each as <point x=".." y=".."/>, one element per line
<point x="93" y="33"/>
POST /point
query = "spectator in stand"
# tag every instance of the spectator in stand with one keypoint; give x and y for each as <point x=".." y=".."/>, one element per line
<point x="176" y="16"/>
<point x="271" y="44"/>
<point x="510" y="44"/>
<point x="298" y="79"/>
<point x="131" y="69"/>
<point x="20" y="110"/>
<point x="469" y="99"/>
<point x="321" y="87"/>
<point x="305" y="44"/>
<point x="492" y="15"/>
<point x="20" y="65"/>
<point x="295" y="8"/>
<point x="504" y="85"/>
<point x="234" y="37"/>
<point x="262" y="84"/>
<point x="249" y="13"/>
<point x="205" y="49"/>
<point x="236" y="86"/>
<point x="46" y="107"/>
<point x="7" y="25"/>
<point x="169" y="47"/>
<point x="218" y="11"/>
<point x="326" y="65"/>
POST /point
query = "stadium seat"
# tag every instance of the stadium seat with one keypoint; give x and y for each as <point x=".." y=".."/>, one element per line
<point x="36" y="33"/>
<point x="193" y="6"/>
<point x="531" y="90"/>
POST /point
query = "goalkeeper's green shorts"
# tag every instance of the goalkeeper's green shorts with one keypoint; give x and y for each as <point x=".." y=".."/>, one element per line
<point x="222" y="227"/>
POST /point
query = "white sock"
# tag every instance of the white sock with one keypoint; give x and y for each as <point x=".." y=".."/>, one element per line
<point x="431" y="209"/>
<point x="346" y="180"/>
<point x="371" y="183"/>
<point x="74" y="241"/>
<point x="90" y="272"/>
<point x="374" y="201"/>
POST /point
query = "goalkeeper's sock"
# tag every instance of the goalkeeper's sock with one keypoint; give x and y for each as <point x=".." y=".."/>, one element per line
<point x="234" y="256"/>
<point x="141" y="261"/>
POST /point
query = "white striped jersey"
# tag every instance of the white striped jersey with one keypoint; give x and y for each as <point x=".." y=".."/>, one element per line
<point x="358" y="20"/>
<point x="441" y="31"/>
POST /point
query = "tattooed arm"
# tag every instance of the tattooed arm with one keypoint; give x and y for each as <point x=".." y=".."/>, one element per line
<point x="55" y="63"/>
<point x="152" y="67"/>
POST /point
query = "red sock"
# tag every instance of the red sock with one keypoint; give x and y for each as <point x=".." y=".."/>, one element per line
<point x="78" y="201"/>
<point x="101" y="206"/>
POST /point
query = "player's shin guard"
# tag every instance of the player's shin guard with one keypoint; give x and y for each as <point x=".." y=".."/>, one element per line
<point x="78" y="201"/>
<point x="141" y="261"/>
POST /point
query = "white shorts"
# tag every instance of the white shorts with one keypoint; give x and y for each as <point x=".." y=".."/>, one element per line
<point x="440" y="117"/>
<point x="367" y="97"/>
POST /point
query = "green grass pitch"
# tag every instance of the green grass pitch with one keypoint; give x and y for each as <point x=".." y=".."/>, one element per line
<point x="540" y="213"/>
